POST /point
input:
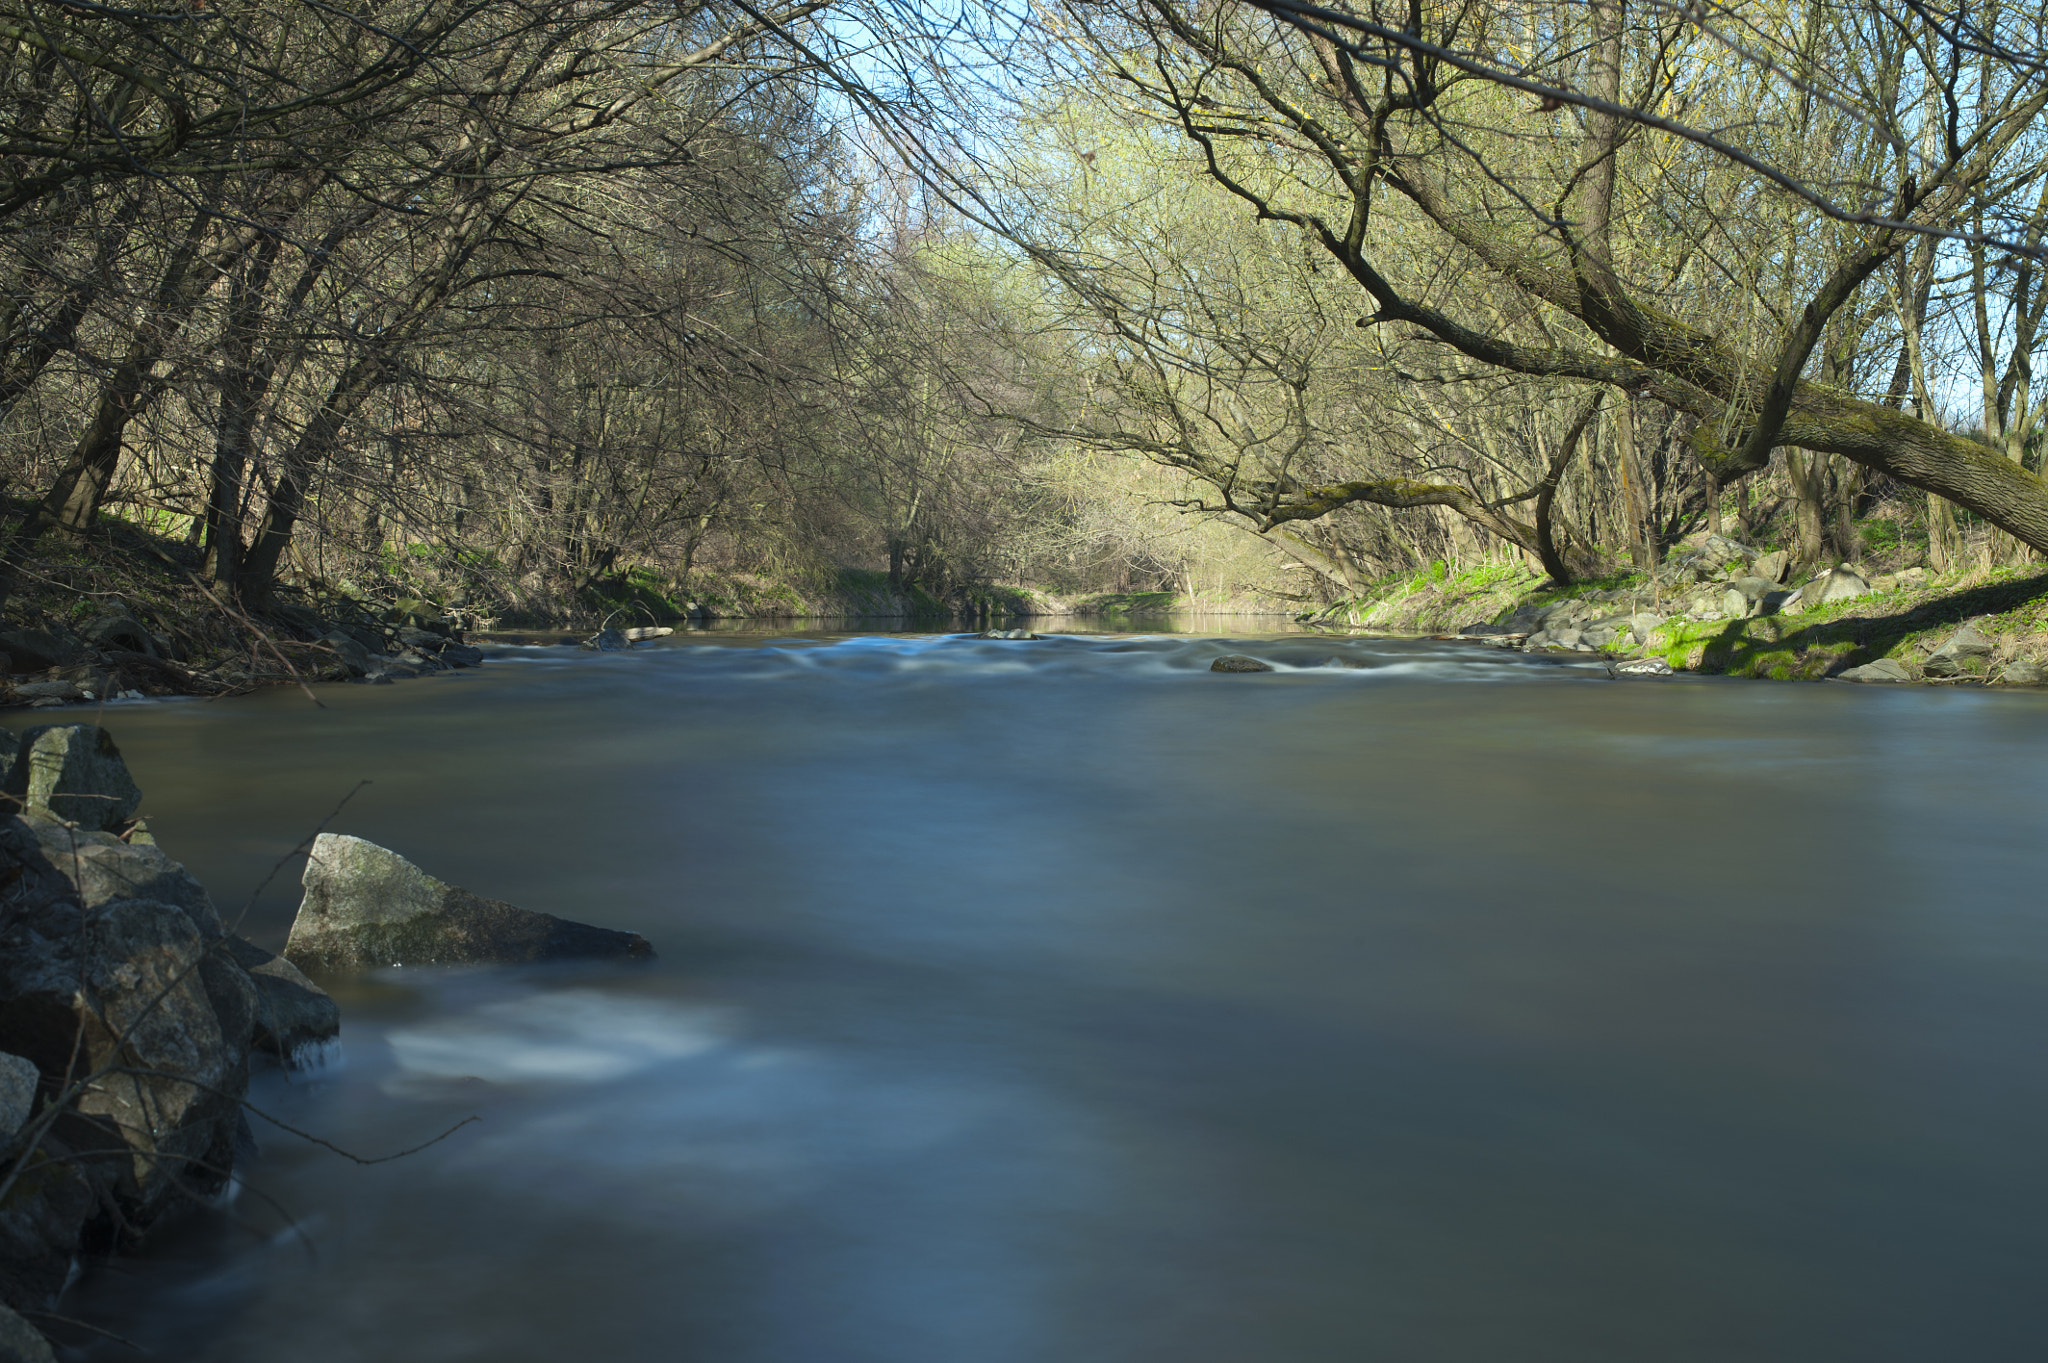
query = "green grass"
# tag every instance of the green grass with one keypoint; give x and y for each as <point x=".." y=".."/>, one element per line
<point x="1128" y="603"/>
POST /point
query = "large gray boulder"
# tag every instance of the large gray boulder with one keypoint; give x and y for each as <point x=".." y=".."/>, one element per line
<point x="1962" y="652"/>
<point x="366" y="906"/>
<point x="1772" y="566"/>
<point x="71" y="772"/>
<point x="1727" y="553"/>
<point x="1239" y="662"/>
<point x="1837" y="584"/>
<point x="102" y="868"/>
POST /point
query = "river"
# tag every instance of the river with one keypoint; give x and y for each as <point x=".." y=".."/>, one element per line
<point x="1062" y="1000"/>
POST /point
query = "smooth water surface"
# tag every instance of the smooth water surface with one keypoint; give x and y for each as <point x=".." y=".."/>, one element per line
<point x="1062" y="1000"/>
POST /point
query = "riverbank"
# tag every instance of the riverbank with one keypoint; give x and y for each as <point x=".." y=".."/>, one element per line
<point x="1720" y="607"/>
<point x="129" y="616"/>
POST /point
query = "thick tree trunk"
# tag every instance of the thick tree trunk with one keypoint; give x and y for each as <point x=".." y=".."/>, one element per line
<point x="294" y="482"/>
<point x="1803" y="472"/>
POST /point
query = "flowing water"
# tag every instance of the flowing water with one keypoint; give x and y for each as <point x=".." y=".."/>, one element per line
<point x="1062" y="1000"/>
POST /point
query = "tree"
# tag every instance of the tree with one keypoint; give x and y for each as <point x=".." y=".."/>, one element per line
<point x="1681" y="207"/>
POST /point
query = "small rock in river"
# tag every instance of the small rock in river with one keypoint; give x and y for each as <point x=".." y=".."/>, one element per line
<point x="608" y="641"/>
<point x="1238" y="662"/>
<point x="366" y="906"/>
<point x="1643" y="667"/>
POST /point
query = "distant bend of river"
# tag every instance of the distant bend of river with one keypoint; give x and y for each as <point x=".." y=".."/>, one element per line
<point x="1024" y="1002"/>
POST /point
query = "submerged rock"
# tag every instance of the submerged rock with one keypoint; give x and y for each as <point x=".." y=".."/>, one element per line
<point x="608" y="641"/>
<point x="366" y="906"/>
<point x="1239" y="662"/>
<point x="1006" y="634"/>
<point x="292" y="1013"/>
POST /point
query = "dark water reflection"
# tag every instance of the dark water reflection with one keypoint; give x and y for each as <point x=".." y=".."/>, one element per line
<point x="1063" y="1000"/>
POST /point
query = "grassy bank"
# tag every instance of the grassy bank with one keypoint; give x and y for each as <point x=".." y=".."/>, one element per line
<point x="1901" y="619"/>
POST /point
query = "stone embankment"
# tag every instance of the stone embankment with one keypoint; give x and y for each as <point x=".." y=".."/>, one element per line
<point x="129" y="1018"/>
<point x="1727" y="607"/>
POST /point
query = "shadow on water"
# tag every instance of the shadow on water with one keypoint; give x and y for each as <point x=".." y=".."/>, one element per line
<point x="1024" y="1000"/>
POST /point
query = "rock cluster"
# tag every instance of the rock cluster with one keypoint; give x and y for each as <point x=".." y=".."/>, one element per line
<point x="1722" y="580"/>
<point x="1591" y="623"/>
<point x="128" y="1018"/>
<point x="111" y="656"/>
<point x="408" y="651"/>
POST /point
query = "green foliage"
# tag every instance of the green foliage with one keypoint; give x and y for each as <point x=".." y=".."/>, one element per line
<point x="637" y="594"/>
